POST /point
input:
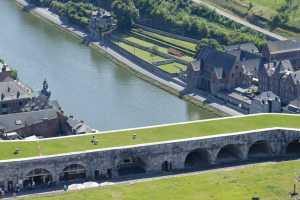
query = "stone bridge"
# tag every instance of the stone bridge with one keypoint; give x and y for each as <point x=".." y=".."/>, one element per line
<point x="193" y="153"/>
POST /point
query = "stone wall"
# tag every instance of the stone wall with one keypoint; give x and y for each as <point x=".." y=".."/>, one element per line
<point x="141" y="63"/>
<point x="157" y="157"/>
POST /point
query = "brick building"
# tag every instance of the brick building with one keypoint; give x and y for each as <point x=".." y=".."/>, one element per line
<point x="215" y="71"/>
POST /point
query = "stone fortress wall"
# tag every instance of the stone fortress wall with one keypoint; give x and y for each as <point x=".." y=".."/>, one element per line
<point x="193" y="153"/>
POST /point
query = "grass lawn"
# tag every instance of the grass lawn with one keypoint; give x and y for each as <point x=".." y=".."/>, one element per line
<point x="147" y="135"/>
<point x="144" y="43"/>
<point x="145" y="55"/>
<point x="180" y="43"/>
<point x="263" y="8"/>
<point x="268" y="181"/>
<point x="173" y="68"/>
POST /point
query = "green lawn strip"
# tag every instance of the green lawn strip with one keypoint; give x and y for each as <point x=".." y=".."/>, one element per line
<point x="145" y="55"/>
<point x="27" y="149"/>
<point x="172" y="44"/>
<point x="144" y="43"/>
<point x="148" y="135"/>
<point x="173" y="68"/>
<point x="185" y="44"/>
<point x="268" y="181"/>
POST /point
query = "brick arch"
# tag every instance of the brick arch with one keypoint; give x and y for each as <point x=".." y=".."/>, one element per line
<point x="293" y="147"/>
<point x="38" y="176"/>
<point x="197" y="159"/>
<point x="73" y="171"/>
<point x="229" y="153"/>
<point x="260" y="149"/>
<point x="130" y="164"/>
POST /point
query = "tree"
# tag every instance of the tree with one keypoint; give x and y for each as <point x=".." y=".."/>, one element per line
<point x="126" y="13"/>
<point x="205" y="42"/>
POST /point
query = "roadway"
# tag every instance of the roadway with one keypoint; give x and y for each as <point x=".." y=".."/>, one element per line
<point x="242" y="21"/>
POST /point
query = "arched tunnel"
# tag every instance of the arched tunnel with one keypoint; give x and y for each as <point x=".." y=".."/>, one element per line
<point x="259" y="149"/>
<point x="197" y="159"/>
<point x="293" y="148"/>
<point x="229" y="154"/>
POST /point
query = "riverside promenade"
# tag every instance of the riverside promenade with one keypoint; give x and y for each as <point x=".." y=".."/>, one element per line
<point x="204" y="100"/>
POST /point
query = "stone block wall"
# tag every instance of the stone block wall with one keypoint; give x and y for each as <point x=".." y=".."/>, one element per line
<point x="156" y="157"/>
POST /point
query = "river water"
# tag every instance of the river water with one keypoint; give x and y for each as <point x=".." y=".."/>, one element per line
<point x="86" y="84"/>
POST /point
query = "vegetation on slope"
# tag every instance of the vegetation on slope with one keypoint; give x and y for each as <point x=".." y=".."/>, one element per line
<point x="178" y="16"/>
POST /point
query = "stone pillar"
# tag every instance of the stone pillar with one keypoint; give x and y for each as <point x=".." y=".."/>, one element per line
<point x="243" y="152"/>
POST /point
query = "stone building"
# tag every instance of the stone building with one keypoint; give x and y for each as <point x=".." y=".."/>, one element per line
<point x="13" y="96"/>
<point x="101" y="21"/>
<point x="215" y="71"/>
<point x="266" y="102"/>
<point x="5" y="73"/>
<point x="45" y="123"/>
<point x="283" y="50"/>
<point x="280" y="78"/>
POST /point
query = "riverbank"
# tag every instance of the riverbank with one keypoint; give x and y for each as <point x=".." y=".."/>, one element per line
<point x="169" y="86"/>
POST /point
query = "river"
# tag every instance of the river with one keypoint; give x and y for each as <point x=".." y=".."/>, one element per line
<point x="86" y="83"/>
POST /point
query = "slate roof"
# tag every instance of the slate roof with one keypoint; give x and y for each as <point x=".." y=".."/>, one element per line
<point x="250" y="62"/>
<point x="276" y="47"/>
<point x="78" y="126"/>
<point x="248" y="47"/>
<point x="13" y="122"/>
<point x="283" y="67"/>
<point x="219" y="62"/>
<point x="296" y="77"/>
<point x="267" y="96"/>
<point x="10" y="90"/>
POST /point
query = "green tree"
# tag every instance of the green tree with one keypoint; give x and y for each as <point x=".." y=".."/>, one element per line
<point x="205" y="42"/>
<point x="126" y="13"/>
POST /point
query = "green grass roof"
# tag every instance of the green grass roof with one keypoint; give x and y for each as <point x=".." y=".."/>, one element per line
<point x="268" y="181"/>
<point x="146" y="135"/>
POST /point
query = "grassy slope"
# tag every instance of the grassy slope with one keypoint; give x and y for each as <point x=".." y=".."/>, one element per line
<point x="145" y="55"/>
<point x="136" y="40"/>
<point x="147" y="135"/>
<point x="173" y="68"/>
<point x="268" y="181"/>
<point x="265" y="8"/>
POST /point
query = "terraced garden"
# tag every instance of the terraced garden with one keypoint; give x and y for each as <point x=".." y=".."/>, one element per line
<point x="146" y="135"/>
<point x="267" y="181"/>
<point x="144" y="44"/>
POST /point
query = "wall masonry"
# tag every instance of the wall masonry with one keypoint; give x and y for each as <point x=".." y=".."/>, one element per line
<point x="154" y="158"/>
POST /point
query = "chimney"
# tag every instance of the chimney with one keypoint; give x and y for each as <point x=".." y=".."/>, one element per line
<point x="4" y="68"/>
<point x="18" y="94"/>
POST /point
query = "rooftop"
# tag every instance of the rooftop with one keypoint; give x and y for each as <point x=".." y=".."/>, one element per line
<point x="249" y="47"/>
<point x="283" y="46"/>
<point x="15" y="121"/>
<point x="14" y="90"/>
<point x="146" y="135"/>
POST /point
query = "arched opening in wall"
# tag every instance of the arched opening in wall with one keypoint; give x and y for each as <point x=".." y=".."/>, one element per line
<point x="293" y="148"/>
<point x="73" y="172"/>
<point x="131" y="166"/>
<point x="259" y="149"/>
<point x="197" y="159"/>
<point x="229" y="154"/>
<point x="37" y="178"/>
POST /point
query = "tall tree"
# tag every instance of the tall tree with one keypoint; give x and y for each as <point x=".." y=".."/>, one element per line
<point x="126" y="13"/>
